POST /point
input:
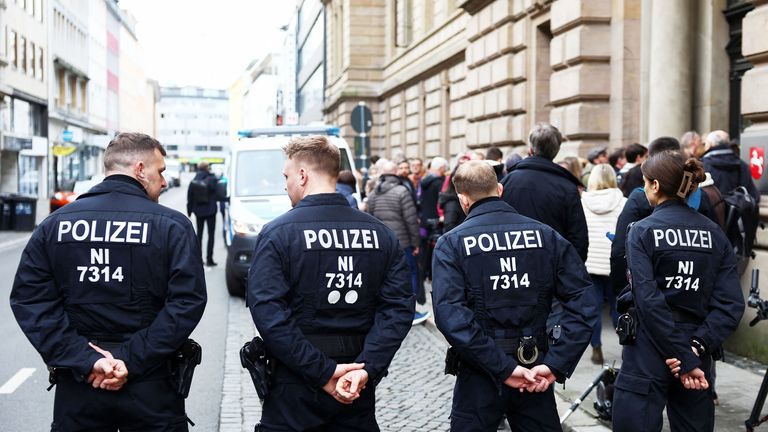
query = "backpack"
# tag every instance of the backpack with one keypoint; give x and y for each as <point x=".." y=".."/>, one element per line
<point x="198" y="191"/>
<point x="741" y="222"/>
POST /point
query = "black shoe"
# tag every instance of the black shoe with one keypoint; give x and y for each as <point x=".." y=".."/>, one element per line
<point x="211" y="263"/>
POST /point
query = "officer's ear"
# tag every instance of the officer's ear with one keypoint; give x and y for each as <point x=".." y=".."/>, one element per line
<point x="500" y="189"/>
<point x="302" y="177"/>
<point x="465" y="202"/>
<point x="138" y="170"/>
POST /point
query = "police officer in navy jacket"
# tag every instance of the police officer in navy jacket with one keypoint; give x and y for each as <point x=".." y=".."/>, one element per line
<point x="494" y="279"/>
<point x="120" y="271"/>
<point x="330" y="293"/>
<point x="688" y="300"/>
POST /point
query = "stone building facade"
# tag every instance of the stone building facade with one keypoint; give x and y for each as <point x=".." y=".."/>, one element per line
<point x="441" y="76"/>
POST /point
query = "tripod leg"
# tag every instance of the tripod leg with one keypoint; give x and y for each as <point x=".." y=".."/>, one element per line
<point x="754" y="419"/>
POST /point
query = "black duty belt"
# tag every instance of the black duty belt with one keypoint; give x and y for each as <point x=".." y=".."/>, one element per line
<point x="526" y="349"/>
<point x="338" y="346"/>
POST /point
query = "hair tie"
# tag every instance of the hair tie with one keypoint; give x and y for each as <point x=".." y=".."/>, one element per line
<point x="685" y="185"/>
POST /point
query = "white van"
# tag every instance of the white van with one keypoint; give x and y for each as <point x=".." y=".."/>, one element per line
<point x="256" y="190"/>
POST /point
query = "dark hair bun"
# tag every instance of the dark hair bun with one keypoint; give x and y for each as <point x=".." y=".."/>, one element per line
<point x="693" y="166"/>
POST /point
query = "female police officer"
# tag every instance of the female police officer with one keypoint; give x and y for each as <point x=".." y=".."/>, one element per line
<point x="688" y="300"/>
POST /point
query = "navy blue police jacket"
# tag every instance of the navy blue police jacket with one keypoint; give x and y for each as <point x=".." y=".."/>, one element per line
<point x="495" y="276"/>
<point x="543" y="190"/>
<point x="324" y="268"/>
<point x="683" y="271"/>
<point x="115" y="267"/>
<point x="635" y="209"/>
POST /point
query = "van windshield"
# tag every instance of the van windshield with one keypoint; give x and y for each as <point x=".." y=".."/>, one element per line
<point x="260" y="172"/>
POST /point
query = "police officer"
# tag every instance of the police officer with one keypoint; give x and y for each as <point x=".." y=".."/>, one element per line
<point x="330" y="293"/>
<point x="687" y="298"/>
<point x="107" y="290"/>
<point x="494" y="279"/>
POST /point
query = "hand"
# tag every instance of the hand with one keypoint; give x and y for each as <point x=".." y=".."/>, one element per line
<point x="521" y="378"/>
<point x="107" y="373"/>
<point x="544" y="378"/>
<point x="674" y="366"/>
<point x="348" y="387"/>
<point x="341" y="370"/>
<point x="415" y="251"/>
<point x="694" y="380"/>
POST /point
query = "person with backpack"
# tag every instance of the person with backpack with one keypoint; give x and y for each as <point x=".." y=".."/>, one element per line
<point x="728" y="171"/>
<point x="201" y="200"/>
<point x="685" y="299"/>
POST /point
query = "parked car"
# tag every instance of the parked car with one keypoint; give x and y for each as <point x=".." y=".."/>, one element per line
<point x="62" y="198"/>
<point x="172" y="172"/>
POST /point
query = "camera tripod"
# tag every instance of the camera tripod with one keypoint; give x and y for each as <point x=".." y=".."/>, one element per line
<point x="761" y="305"/>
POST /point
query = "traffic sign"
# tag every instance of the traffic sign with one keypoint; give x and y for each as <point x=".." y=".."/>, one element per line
<point x="362" y="120"/>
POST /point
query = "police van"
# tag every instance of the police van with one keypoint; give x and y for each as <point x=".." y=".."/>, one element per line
<point x="256" y="190"/>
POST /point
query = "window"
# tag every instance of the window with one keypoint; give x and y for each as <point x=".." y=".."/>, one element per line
<point x="32" y="68"/>
<point x="217" y="148"/>
<point x="62" y="84"/>
<point x="40" y="64"/>
<point x="72" y="92"/>
<point x="23" y="54"/>
<point x="11" y="49"/>
<point x="83" y="95"/>
<point x="403" y="22"/>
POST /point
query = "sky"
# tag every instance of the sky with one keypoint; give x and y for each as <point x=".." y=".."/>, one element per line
<point x="204" y="43"/>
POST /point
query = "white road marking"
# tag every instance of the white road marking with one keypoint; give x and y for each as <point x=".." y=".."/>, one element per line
<point x="12" y="384"/>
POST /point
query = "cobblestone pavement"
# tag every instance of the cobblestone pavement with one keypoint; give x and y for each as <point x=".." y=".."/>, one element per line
<point x="415" y="396"/>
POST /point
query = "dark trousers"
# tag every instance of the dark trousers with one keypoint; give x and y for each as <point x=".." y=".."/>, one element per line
<point x="478" y="407"/>
<point x="149" y="404"/>
<point x="602" y="293"/>
<point x="645" y="386"/>
<point x="211" y="222"/>
<point x="292" y="405"/>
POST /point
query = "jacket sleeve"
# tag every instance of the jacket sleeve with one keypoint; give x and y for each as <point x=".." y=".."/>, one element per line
<point x="456" y="320"/>
<point x="577" y="232"/>
<point x="628" y="215"/>
<point x="410" y="217"/>
<point x="267" y="297"/>
<point x="573" y="288"/>
<point x="38" y="306"/>
<point x="189" y="200"/>
<point x="184" y="305"/>
<point x="394" y="314"/>
<point x="726" y="304"/>
<point x="654" y="314"/>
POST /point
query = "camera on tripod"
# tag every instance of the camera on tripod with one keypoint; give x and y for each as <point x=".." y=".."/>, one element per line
<point x="754" y="300"/>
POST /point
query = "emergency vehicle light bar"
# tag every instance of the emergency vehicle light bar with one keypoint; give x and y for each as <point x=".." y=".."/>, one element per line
<point x="289" y="130"/>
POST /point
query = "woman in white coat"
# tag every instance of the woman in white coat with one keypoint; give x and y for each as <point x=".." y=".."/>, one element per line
<point x="602" y="203"/>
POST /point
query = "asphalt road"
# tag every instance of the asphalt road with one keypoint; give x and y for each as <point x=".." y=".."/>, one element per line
<point x="25" y="405"/>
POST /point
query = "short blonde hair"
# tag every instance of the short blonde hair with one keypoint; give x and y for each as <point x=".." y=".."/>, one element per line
<point x="317" y="151"/>
<point x="602" y="176"/>
<point x="475" y="179"/>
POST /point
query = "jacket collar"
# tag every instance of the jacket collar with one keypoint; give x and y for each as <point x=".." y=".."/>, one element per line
<point x="117" y="183"/>
<point x="489" y="205"/>
<point x="538" y="163"/>
<point x="323" y="199"/>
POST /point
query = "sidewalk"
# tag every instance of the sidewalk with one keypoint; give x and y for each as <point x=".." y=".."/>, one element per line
<point x="12" y="238"/>
<point x="737" y="387"/>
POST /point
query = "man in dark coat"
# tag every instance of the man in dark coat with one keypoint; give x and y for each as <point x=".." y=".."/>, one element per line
<point x="543" y="190"/>
<point x="201" y="200"/>
<point x="728" y="171"/>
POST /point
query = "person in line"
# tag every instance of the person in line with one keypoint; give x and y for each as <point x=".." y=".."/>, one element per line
<point x="108" y="289"/>
<point x="392" y="204"/>
<point x="491" y="302"/>
<point x="330" y="294"/>
<point x="603" y="202"/>
<point x="201" y="200"/>
<point x="687" y="297"/>
<point x="345" y="185"/>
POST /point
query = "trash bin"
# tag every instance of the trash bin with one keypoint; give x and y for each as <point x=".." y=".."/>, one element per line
<point x="5" y="212"/>
<point x="23" y="214"/>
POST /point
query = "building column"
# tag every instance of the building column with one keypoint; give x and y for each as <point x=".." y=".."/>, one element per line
<point x="580" y="86"/>
<point x="671" y="68"/>
<point x="625" y="72"/>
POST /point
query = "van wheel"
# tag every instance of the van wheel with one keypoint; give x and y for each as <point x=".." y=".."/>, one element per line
<point x="235" y="284"/>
